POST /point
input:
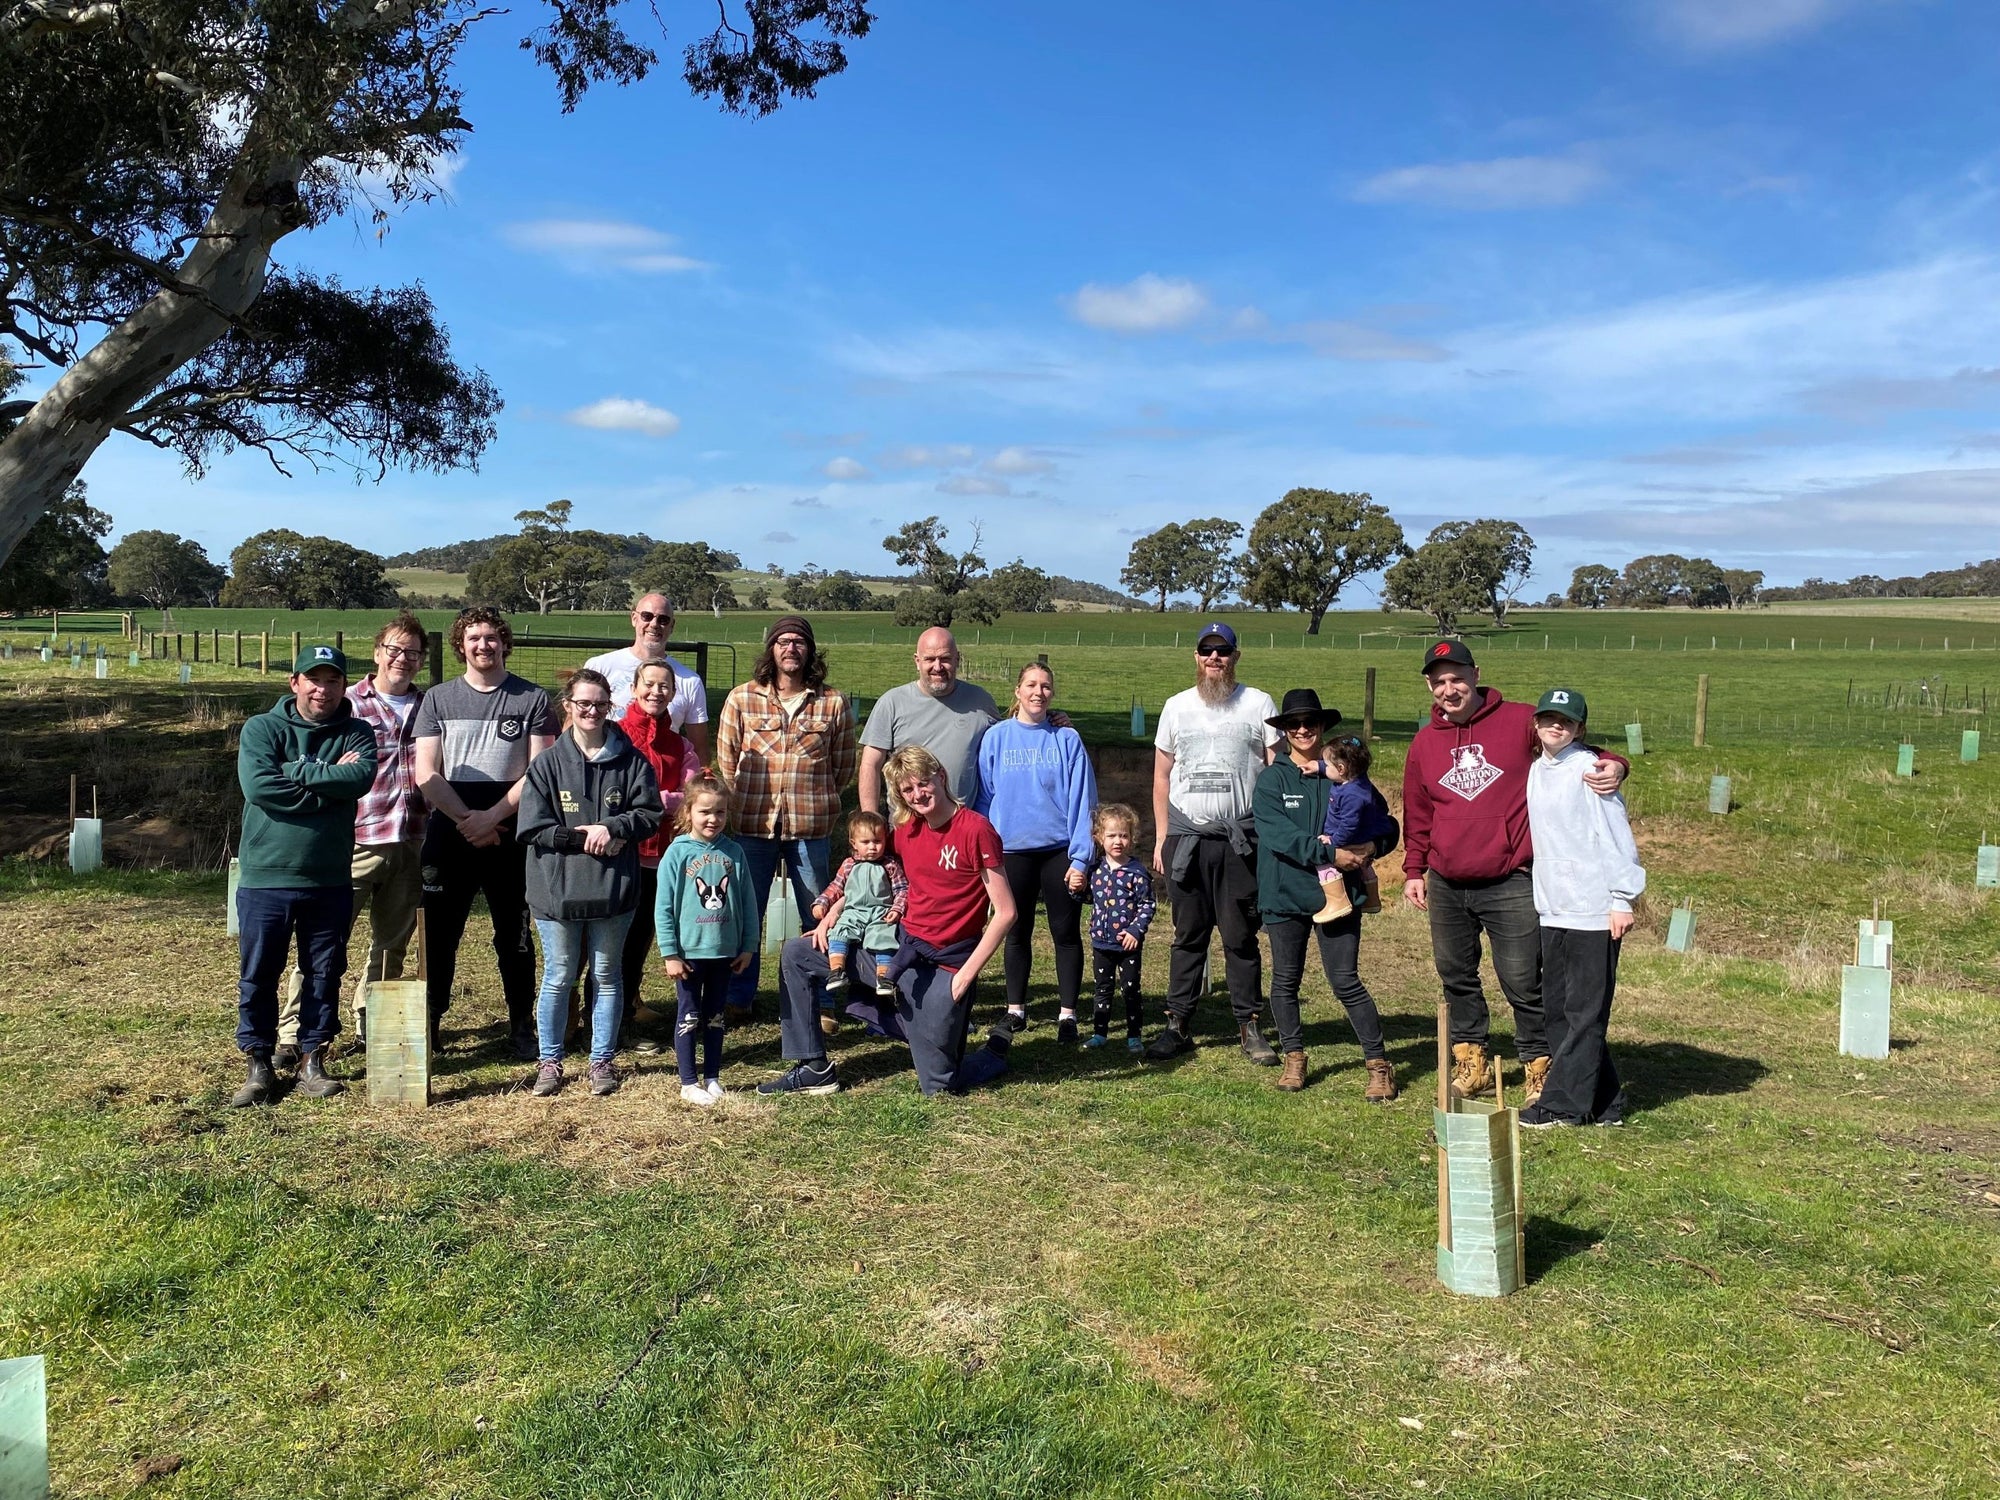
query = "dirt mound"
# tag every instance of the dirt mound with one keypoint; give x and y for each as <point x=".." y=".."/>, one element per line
<point x="139" y="842"/>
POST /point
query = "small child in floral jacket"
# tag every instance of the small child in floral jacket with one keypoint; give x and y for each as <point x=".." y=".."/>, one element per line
<point x="1121" y="907"/>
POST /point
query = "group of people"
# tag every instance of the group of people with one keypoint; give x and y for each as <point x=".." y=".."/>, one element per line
<point x="615" y="834"/>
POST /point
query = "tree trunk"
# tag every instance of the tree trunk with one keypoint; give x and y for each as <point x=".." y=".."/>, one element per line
<point x="1313" y="616"/>
<point x="42" y="456"/>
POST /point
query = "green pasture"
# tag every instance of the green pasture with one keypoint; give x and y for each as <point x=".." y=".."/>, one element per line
<point x="1099" y="1279"/>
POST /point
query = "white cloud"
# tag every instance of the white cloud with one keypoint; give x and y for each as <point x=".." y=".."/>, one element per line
<point x="602" y="244"/>
<point x="1730" y="25"/>
<point x="934" y="456"/>
<point x="974" y="484"/>
<point x="1016" y="460"/>
<point x="1146" y="304"/>
<point x="623" y="414"/>
<point x="1504" y="182"/>
<point x="844" y="468"/>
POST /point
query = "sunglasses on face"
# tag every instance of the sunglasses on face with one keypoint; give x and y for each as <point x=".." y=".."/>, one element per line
<point x="647" y="617"/>
<point x="1213" y="651"/>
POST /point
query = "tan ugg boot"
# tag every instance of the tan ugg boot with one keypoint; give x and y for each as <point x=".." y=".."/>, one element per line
<point x="1381" y="1081"/>
<point x="1471" y="1074"/>
<point x="1294" y="1077"/>
<point x="1537" y="1070"/>
<point x="1338" y="902"/>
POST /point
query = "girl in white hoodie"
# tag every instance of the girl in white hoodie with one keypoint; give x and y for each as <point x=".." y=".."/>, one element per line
<point x="1586" y="875"/>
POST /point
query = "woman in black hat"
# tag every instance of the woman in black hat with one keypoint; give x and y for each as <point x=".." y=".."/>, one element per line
<point x="1290" y="808"/>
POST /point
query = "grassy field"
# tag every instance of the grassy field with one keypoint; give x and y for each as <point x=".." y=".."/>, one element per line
<point x="1097" y="1279"/>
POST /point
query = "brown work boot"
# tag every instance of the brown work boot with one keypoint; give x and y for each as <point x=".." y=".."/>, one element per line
<point x="1537" y="1070"/>
<point x="314" y="1082"/>
<point x="1294" y="1077"/>
<point x="1255" y="1047"/>
<point x="1471" y="1073"/>
<point x="1381" y="1081"/>
<point x="1338" y="902"/>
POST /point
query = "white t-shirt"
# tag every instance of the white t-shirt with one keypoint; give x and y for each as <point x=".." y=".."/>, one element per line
<point x="399" y="706"/>
<point x="1218" y="752"/>
<point x="690" y="701"/>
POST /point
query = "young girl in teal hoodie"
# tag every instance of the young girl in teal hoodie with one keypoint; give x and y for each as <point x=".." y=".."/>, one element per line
<point x="707" y="927"/>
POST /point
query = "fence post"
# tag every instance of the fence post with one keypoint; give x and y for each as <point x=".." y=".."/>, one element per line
<point x="1368" y="707"/>
<point x="1701" y="711"/>
<point x="263" y="651"/>
<point x="239" y="648"/>
<point x="295" y="651"/>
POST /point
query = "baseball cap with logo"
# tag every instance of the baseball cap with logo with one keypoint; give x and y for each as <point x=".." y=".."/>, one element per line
<point x="1454" y="652"/>
<point x="1217" y="631"/>
<point x="1567" y="702"/>
<point x="320" y="656"/>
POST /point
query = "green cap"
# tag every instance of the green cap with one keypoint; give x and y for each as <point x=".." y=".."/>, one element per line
<point x="1565" y="701"/>
<point x="319" y="656"/>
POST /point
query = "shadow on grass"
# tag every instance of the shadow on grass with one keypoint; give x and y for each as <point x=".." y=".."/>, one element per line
<point x="1548" y="1242"/>
<point x="1656" y="1073"/>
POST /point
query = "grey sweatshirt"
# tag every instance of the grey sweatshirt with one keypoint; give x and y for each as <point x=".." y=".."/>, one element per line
<point x="1586" y="864"/>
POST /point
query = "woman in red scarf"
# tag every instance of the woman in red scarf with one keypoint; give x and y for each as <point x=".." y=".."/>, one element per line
<point x="675" y="763"/>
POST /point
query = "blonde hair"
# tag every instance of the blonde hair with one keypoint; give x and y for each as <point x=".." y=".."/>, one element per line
<point x="703" y="788"/>
<point x="1113" y="812"/>
<point x="910" y="763"/>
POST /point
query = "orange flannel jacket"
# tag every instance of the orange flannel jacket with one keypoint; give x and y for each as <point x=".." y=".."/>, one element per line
<point x="784" y="775"/>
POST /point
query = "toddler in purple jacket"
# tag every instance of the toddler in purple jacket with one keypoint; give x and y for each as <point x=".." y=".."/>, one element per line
<point x="1121" y="907"/>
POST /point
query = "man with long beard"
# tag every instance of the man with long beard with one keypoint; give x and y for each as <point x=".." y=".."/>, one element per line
<point x="1213" y="744"/>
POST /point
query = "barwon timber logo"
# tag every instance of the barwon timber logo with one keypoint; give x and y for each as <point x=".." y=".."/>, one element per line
<point x="1470" y="772"/>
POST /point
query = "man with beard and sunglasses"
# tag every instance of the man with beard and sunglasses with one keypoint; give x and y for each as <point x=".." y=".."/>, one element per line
<point x="652" y="628"/>
<point x="1214" y="741"/>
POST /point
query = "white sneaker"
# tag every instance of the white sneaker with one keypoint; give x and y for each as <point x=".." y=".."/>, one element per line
<point x="715" y="1088"/>
<point x="694" y="1093"/>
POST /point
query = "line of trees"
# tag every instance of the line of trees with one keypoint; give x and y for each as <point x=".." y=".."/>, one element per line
<point x="1662" y="580"/>
<point x="1973" y="581"/>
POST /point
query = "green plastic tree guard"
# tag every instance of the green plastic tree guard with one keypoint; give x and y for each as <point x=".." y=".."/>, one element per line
<point x="1718" y="794"/>
<point x="1864" y="1012"/>
<point x="1968" y="746"/>
<point x="1482" y="1159"/>
<point x="1906" y="760"/>
<point x="1680" y="930"/>
<point x="1138" y="720"/>
<point x="781" y="913"/>
<point x="1874" y="944"/>
<point x="1986" y="871"/>
<point x="1635" y="739"/>
<point x="24" y="1429"/>
<point x="229" y="902"/>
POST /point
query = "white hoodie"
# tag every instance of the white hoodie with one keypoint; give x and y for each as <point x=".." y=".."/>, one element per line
<point x="1586" y="865"/>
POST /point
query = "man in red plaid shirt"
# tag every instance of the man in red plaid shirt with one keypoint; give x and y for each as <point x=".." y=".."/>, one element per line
<point x="388" y="826"/>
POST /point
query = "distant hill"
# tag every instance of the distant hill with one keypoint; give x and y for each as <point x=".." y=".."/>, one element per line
<point x="1092" y="593"/>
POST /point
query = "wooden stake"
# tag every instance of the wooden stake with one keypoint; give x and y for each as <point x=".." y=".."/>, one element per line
<point x="1701" y="711"/>
<point x="1444" y="1107"/>
<point x="72" y="798"/>
<point x="1368" y="707"/>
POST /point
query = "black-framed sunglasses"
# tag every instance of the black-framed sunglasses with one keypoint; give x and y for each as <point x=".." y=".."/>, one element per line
<point x="1214" y="651"/>
<point x="647" y="617"/>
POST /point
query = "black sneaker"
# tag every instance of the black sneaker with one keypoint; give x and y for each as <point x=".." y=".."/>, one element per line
<point x="1534" y="1117"/>
<point x="1170" y="1041"/>
<point x="1066" y="1031"/>
<point x="816" y="1077"/>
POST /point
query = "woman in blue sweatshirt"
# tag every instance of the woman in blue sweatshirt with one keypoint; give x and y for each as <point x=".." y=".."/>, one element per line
<point x="1038" y="790"/>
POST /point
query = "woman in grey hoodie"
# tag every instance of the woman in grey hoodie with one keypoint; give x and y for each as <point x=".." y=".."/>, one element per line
<point x="1586" y="876"/>
<point x="586" y="802"/>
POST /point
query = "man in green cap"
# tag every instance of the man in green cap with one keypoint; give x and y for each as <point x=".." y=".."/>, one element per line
<point x="302" y="766"/>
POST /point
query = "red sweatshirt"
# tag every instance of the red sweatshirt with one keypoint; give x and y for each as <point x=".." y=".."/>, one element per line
<point x="1465" y="792"/>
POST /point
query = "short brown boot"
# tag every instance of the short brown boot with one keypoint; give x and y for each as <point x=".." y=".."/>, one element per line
<point x="1471" y="1074"/>
<point x="1338" y="902"/>
<point x="1537" y="1071"/>
<point x="1373" y="905"/>
<point x="1381" y="1081"/>
<point x="314" y="1082"/>
<point x="1294" y="1077"/>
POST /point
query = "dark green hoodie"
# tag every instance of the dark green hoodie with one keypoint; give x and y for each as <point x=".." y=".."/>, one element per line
<point x="1289" y="808"/>
<point x="298" y="803"/>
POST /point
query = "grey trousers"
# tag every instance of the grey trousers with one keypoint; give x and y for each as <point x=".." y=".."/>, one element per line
<point x="935" y="1026"/>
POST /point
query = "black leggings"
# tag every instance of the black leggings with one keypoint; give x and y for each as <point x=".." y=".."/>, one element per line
<point x="639" y="949"/>
<point x="1115" y="970"/>
<point x="1042" y="872"/>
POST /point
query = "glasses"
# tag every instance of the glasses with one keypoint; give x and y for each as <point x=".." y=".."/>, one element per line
<point x="789" y="643"/>
<point x="647" y="617"/>
<point x="401" y="653"/>
<point x="588" y="705"/>
<point x="1302" y="729"/>
<point x="1214" y="651"/>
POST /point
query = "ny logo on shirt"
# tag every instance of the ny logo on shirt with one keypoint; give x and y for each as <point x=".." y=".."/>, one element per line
<point x="947" y="856"/>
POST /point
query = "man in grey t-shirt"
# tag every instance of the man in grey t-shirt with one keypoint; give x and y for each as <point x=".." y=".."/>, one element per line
<point x="474" y="738"/>
<point x="944" y="715"/>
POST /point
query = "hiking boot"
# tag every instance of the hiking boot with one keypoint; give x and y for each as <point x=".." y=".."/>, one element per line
<point x="816" y="1077"/>
<point x="603" y="1079"/>
<point x="261" y="1087"/>
<point x="286" y="1057"/>
<point x="1537" y="1071"/>
<point x="1170" y="1041"/>
<point x="1251" y="1037"/>
<point x="1381" y="1081"/>
<point x="313" y="1081"/>
<point x="548" y="1080"/>
<point x="1471" y="1073"/>
<point x="1294" y="1077"/>
<point x="1338" y="902"/>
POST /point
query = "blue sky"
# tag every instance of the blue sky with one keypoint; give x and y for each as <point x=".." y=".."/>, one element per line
<point x="1718" y="277"/>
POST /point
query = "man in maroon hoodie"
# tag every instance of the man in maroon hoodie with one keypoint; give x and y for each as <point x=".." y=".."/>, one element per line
<point x="1466" y="855"/>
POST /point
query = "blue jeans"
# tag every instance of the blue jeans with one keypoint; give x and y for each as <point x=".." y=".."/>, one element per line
<point x="806" y="859"/>
<point x="265" y="922"/>
<point x="563" y="947"/>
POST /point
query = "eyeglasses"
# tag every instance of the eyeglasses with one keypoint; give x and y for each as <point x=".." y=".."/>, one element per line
<point x="1302" y="729"/>
<point x="401" y="653"/>
<point x="647" y="617"/>
<point x="588" y="705"/>
<point x="1214" y="651"/>
<point x="789" y="643"/>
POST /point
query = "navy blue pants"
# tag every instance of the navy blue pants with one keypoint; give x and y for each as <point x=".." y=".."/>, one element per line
<point x="698" y="1013"/>
<point x="266" y="921"/>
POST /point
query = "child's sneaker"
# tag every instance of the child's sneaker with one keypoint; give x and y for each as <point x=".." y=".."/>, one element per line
<point x="836" y="980"/>
<point x="1135" y="1043"/>
<point x="1066" y="1031"/>
<point x="695" y="1094"/>
<point x="885" y="987"/>
<point x="1098" y="1039"/>
<point x="714" y="1088"/>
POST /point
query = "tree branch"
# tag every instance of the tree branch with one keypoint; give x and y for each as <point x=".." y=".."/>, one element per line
<point x="33" y="18"/>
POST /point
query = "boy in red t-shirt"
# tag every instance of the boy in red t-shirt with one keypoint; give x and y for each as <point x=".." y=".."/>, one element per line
<point x="959" y="909"/>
